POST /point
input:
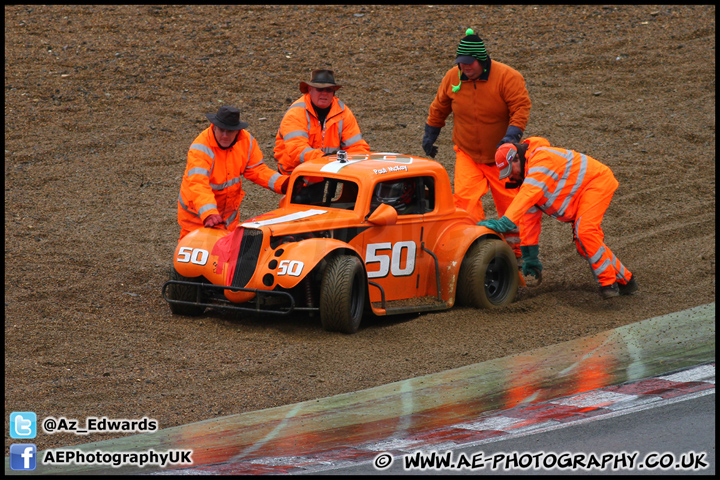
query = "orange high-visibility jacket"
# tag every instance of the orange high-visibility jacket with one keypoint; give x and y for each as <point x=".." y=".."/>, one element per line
<point x="555" y="179"/>
<point x="212" y="183"/>
<point x="482" y="109"/>
<point x="301" y="137"/>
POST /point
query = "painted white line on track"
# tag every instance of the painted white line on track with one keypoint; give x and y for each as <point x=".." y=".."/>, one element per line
<point x="610" y="414"/>
<point x="393" y="444"/>
<point x="500" y="423"/>
<point x="596" y="398"/>
<point x="703" y="373"/>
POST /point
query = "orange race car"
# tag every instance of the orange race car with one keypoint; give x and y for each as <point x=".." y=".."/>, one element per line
<point x="355" y="233"/>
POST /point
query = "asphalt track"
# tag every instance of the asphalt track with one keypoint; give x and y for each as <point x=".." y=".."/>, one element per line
<point x="645" y="388"/>
<point x="671" y="431"/>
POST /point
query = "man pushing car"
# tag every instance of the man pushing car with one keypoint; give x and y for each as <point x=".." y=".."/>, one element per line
<point x="570" y="186"/>
<point x="211" y="189"/>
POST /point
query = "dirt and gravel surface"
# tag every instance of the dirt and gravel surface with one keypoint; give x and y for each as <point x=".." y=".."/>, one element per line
<point x="101" y="104"/>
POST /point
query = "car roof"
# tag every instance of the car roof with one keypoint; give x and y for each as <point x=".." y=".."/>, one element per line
<point x="377" y="163"/>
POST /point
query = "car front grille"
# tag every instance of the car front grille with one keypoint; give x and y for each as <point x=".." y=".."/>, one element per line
<point x="247" y="257"/>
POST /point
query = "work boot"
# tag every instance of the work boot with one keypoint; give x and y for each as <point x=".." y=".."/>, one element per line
<point x="610" y="291"/>
<point x="629" y="288"/>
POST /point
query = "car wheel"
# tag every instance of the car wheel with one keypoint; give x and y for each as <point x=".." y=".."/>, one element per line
<point x="488" y="275"/>
<point x="186" y="293"/>
<point x="342" y="294"/>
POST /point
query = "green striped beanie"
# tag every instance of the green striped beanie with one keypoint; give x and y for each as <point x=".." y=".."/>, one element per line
<point x="471" y="46"/>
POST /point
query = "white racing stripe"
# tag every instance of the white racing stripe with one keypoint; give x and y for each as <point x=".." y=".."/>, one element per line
<point x="284" y="218"/>
<point x="334" y="167"/>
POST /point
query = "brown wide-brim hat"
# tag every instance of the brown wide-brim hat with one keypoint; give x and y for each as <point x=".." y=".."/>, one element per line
<point x="227" y="118"/>
<point x="320" y="79"/>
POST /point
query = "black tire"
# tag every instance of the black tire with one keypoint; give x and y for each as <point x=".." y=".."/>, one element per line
<point x="186" y="293"/>
<point x="488" y="275"/>
<point x="342" y="294"/>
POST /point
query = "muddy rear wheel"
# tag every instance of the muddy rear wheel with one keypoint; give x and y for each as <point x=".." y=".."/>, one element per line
<point x="488" y="275"/>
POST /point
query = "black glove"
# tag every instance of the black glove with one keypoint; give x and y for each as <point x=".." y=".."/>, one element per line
<point x="431" y="134"/>
<point x="513" y="135"/>
<point x="285" y="179"/>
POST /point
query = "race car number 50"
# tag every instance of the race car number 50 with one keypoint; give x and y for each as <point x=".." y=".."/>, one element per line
<point x="288" y="267"/>
<point x="391" y="263"/>
<point x="198" y="256"/>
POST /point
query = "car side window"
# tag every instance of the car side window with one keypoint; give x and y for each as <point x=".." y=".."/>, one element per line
<point x="409" y="196"/>
<point x="326" y="192"/>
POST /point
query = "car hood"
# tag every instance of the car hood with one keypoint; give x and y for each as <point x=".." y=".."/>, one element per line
<point x="297" y="219"/>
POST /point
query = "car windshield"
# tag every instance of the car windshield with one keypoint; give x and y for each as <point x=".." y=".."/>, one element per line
<point x="326" y="192"/>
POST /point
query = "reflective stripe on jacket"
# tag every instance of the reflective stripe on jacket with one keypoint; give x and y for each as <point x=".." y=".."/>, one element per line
<point x="212" y="183"/>
<point x="482" y="109"/>
<point x="301" y="137"/>
<point x="555" y="179"/>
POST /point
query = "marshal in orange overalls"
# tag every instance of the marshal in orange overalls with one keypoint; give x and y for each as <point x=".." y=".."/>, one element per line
<point x="301" y="138"/>
<point x="572" y="187"/>
<point x="212" y="183"/>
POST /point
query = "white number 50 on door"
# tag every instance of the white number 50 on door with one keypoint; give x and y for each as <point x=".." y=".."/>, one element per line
<point x="391" y="263"/>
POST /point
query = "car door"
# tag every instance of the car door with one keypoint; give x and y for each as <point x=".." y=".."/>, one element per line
<point x="397" y="265"/>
